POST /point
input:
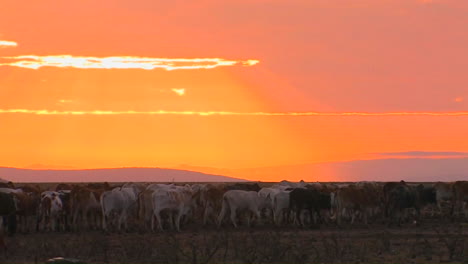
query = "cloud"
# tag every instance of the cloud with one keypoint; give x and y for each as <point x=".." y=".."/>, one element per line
<point x="424" y="153"/>
<point x="180" y="91"/>
<point x="7" y="44"/>
<point x="125" y="62"/>
<point x="227" y="113"/>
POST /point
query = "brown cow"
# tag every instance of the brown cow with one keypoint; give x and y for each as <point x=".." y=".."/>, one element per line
<point x="364" y="199"/>
<point x="8" y="210"/>
<point x="7" y="185"/>
<point x="31" y="188"/>
<point x="85" y="206"/>
<point x="28" y="205"/>
<point x="145" y="208"/>
<point x="211" y="199"/>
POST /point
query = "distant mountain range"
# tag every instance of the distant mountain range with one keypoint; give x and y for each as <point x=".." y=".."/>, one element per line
<point x="408" y="169"/>
<point x="111" y="175"/>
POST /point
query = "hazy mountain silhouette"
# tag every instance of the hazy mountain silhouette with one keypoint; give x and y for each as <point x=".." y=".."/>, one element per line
<point x="111" y="175"/>
<point x="408" y="169"/>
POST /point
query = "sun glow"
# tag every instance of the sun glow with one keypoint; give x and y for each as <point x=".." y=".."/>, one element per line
<point x="124" y="62"/>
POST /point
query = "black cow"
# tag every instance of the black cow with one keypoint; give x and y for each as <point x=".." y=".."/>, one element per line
<point x="8" y="211"/>
<point x="402" y="196"/>
<point x="308" y="199"/>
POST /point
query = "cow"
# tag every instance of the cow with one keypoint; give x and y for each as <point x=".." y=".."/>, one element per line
<point x="65" y="197"/>
<point x="31" y="188"/>
<point x="243" y="187"/>
<point x="177" y="202"/>
<point x="50" y="211"/>
<point x="460" y="197"/>
<point x="281" y="209"/>
<point x="237" y="200"/>
<point x="10" y="190"/>
<point x="8" y="207"/>
<point x="145" y="207"/>
<point x="287" y="184"/>
<point x="272" y="192"/>
<point x="99" y="186"/>
<point x="63" y="186"/>
<point x="444" y="194"/>
<point x="308" y="199"/>
<point x="211" y="199"/>
<point x="115" y="205"/>
<point x="132" y="196"/>
<point x="27" y="209"/>
<point x="7" y="185"/>
<point x="85" y="207"/>
<point x="403" y="196"/>
<point x="363" y="198"/>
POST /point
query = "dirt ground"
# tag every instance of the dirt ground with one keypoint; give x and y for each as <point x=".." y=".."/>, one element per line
<point x="434" y="241"/>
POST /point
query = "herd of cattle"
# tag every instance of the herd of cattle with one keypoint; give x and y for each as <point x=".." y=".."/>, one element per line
<point x="149" y="206"/>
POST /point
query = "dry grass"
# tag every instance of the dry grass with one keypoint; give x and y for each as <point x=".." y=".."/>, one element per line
<point x="431" y="243"/>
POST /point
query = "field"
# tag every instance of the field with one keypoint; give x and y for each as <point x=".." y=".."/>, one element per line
<point x="429" y="243"/>
<point x="436" y="239"/>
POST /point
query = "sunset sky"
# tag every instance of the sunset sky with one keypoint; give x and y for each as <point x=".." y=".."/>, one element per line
<point x="230" y="84"/>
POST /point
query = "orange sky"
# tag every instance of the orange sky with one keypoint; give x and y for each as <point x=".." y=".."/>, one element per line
<point x="362" y="56"/>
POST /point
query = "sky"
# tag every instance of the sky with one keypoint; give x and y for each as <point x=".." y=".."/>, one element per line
<point x="230" y="84"/>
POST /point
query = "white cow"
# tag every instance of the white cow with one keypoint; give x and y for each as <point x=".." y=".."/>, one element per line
<point x="237" y="200"/>
<point x="117" y="203"/>
<point x="177" y="202"/>
<point x="281" y="207"/>
<point x="159" y="186"/>
<point x="10" y="190"/>
<point x="132" y="196"/>
<point x="271" y="192"/>
<point x="287" y="184"/>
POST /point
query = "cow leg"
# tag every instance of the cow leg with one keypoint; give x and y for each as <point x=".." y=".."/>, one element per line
<point x="248" y="216"/>
<point x="171" y="220"/>
<point x="85" y="222"/>
<point x="206" y="214"/>
<point x="104" y="225"/>
<point x="353" y="216"/>
<point x="465" y="209"/>
<point x="233" y="216"/>
<point x="257" y="216"/>
<point x="338" y="216"/>
<point x="177" y="220"/>
<point x="158" y="217"/>
<point x="75" y="218"/>
<point x="221" y="214"/>
<point x="125" y="221"/>
<point x="301" y="218"/>
<point x="277" y="217"/>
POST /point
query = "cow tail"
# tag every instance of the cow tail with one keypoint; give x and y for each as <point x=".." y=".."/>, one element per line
<point x="139" y="198"/>
<point x="101" y="201"/>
